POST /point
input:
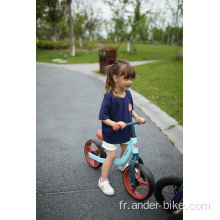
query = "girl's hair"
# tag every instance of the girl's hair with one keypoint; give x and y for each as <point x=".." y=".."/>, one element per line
<point x="118" y="68"/>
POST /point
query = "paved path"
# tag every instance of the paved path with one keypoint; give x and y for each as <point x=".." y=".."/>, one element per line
<point x="68" y="103"/>
<point x="168" y="125"/>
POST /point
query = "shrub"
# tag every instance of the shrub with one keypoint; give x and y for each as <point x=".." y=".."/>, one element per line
<point x="108" y="48"/>
<point x="42" y="44"/>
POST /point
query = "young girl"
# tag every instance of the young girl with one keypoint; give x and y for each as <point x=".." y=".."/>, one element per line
<point x="117" y="108"/>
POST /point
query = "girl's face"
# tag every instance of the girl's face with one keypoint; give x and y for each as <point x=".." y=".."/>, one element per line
<point x="122" y="82"/>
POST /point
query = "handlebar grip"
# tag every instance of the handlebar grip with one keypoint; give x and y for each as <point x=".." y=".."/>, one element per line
<point x="132" y="123"/>
<point x="116" y="127"/>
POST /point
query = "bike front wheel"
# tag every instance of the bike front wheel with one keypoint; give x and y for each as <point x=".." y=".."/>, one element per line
<point x="144" y="182"/>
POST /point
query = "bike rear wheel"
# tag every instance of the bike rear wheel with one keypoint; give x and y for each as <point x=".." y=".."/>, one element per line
<point x="144" y="182"/>
<point x="95" y="147"/>
<point x="165" y="189"/>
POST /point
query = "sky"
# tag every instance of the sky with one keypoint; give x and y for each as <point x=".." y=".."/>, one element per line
<point x="107" y="14"/>
<point x="158" y="4"/>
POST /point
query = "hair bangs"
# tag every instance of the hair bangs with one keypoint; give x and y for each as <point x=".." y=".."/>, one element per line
<point x="128" y="71"/>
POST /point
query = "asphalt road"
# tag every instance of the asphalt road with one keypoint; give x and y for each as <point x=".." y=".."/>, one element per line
<point x="68" y="105"/>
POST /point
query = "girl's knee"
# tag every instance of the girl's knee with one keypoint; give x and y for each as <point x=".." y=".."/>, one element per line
<point x="111" y="154"/>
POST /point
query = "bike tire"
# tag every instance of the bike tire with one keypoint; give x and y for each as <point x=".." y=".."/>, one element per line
<point x="165" y="189"/>
<point x="176" y="216"/>
<point x="94" y="146"/>
<point x="144" y="188"/>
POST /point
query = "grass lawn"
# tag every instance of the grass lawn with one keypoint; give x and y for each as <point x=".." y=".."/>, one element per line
<point x="143" y="52"/>
<point x="81" y="57"/>
<point x="162" y="83"/>
<point x="146" y="52"/>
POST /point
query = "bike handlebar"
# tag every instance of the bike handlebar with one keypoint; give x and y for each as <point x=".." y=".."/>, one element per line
<point x="117" y="126"/>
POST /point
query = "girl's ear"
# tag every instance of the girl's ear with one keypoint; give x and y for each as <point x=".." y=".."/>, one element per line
<point x="115" y="78"/>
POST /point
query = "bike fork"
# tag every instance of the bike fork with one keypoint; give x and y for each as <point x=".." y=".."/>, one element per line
<point x="131" y="169"/>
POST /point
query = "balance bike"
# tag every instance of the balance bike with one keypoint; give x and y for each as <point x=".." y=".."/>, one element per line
<point x="138" y="180"/>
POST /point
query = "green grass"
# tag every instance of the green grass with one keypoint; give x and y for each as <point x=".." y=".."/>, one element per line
<point x="162" y="83"/>
<point x="143" y="52"/>
<point x="81" y="57"/>
<point x="146" y="52"/>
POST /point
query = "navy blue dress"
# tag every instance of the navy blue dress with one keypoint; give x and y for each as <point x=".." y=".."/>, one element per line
<point x="117" y="109"/>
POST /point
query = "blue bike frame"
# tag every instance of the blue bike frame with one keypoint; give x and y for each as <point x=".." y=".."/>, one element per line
<point x="132" y="148"/>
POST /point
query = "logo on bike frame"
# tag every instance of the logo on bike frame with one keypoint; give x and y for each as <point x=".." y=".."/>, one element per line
<point x="135" y="145"/>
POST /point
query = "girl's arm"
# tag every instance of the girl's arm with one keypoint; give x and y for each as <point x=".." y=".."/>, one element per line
<point x="140" y="119"/>
<point x="111" y="123"/>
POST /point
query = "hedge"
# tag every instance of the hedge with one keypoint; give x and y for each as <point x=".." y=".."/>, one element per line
<point x="42" y="44"/>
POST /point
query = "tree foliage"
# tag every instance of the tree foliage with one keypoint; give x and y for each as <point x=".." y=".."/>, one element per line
<point x="51" y="11"/>
<point x="136" y="20"/>
<point x="79" y="25"/>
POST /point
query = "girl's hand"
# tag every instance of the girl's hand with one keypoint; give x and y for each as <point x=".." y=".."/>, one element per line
<point x="141" y="120"/>
<point x="118" y="125"/>
<point x="122" y="124"/>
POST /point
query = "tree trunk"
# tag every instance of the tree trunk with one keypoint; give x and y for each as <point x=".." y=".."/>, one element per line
<point x="37" y="34"/>
<point x="80" y="42"/>
<point x="72" y="43"/>
<point x="128" y="46"/>
<point x="168" y="39"/>
<point x="90" y="36"/>
<point x="54" y="32"/>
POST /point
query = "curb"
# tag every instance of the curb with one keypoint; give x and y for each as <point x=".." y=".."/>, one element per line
<point x="167" y="124"/>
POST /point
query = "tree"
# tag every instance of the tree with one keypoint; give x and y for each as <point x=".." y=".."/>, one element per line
<point x="177" y="15"/>
<point x="157" y="34"/>
<point x="54" y="11"/>
<point x="118" y="19"/>
<point x="79" y="26"/>
<point x="140" y="22"/>
<point x="39" y="15"/>
<point x="130" y="24"/>
<point x="72" y="41"/>
<point x="157" y="20"/>
<point x="93" y="19"/>
<point x="108" y="25"/>
<point x="121" y="24"/>
<point x="91" y="13"/>
<point x="63" y="28"/>
<point x="43" y="29"/>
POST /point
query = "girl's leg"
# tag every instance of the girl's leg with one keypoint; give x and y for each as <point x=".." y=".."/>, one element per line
<point x="106" y="166"/>
<point x="123" y="148"/>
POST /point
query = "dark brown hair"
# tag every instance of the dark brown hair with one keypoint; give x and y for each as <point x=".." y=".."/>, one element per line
<point x="118" y="68"/>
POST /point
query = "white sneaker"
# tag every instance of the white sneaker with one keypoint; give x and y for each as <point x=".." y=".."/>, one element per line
<point x="106" y="188"/>
<point x="123" y="167"/>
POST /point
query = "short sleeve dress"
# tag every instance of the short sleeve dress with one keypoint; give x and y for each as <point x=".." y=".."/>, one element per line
<point x="117" y="109"/>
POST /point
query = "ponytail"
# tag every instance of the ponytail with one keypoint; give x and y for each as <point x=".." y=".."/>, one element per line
<point x="110" y="83"/>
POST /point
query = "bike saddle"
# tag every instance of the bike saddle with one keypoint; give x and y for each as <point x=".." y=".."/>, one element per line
<point x="99" y="135"/>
